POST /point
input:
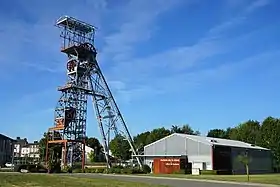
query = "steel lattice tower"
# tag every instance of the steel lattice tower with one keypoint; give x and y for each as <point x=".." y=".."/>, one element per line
<point x="84" y="79"/>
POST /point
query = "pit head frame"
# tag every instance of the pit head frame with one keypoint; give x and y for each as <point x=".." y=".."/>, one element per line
<point x="85" y="79"/>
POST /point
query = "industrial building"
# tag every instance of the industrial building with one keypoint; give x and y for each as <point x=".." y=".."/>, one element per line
<point x="208" y="153"/>
<point x="6" y="149"/>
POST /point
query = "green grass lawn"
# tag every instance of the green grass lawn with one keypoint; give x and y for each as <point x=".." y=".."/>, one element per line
<point x="42" y="180"/>
<point x="265" y="178"/>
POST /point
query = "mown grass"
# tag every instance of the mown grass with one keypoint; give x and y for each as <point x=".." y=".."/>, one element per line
<point x="42" y="180"/>
<point x="265" y="178"/>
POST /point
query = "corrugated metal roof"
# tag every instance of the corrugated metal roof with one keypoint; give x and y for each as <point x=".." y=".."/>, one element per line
<point x="220" y="141"/>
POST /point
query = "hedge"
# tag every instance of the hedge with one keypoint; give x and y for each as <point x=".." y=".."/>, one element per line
<point x="208" y="172"/>
<point x="116" y="170"/>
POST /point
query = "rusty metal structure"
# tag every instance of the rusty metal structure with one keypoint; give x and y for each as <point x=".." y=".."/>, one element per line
<point x="84" y="80"/>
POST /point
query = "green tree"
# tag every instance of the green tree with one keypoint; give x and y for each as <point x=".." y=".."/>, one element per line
<point x="92" y="157"/>
<point x="54" y="150"/>
<point x="228" y="131"/>
<point x="217" y="133"/>
<point x="247" y="132"/>
<point x="185" y="129"/>
<point x="233" y="133"/>
<point x="245" y="160"/>
<point x="176" y="129"/>
<point x="120" y="147"/>
<point x="94" y="143"/>
<point x="158" y="134"/>
<point x="140" y="140"/>
<point x="269" y="134"/>
<point x="42" y="146"/>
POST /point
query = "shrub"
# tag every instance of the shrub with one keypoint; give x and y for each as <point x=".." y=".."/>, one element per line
<point x="115" y="170"/>
<point x="137" y="171"/>
<point x="54" y="167"/>
<point x="181" y="171"/>
<point x="146" y="169"/>
<point x="99" y="170"/>
<point x="118" y="166"/>
<point x="77" y="170"/>
<point x="67" y="169"/>
<point x="127" y="171"/>
<point x="92" y="170"/>
<point x="208" y="172"/>
<point x="6" y="170"/>
<point x="106" y="171"/>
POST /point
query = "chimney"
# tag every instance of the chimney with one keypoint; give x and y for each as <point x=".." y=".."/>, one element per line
<point x="18" y="138"/>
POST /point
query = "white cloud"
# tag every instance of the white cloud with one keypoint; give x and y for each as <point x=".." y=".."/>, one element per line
<point x="170" y="61"/>
<point x="185" y="82"/>
<point x="138" y="25"/>
<point x="168" y="68"/>
<point x="33" y="41"/>
<point x="256" y="5"/>
<point x="240" y="18"/>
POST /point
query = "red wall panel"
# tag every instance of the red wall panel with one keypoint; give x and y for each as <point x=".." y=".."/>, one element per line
<point x="166" y="165"/>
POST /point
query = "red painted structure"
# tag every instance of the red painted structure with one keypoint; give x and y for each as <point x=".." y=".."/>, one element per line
<point x="168" y="165"/>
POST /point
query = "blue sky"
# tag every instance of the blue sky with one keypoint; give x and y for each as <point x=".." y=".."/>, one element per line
<point x="211" y="64"/>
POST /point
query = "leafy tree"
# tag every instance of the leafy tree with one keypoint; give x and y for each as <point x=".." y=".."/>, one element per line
<point x="245" y="160"/>
<point x="228" y="132"/>
<point x="248" y="132"/>
<point x="141" y="140"/>
<point x="94" y="143"/>
<point x="269" y="135"/>
<point x="92" y="157"/>
<point x="158" y="134"/>
<point x="42" y="146"/>
<point x="148" y="137"/>
<point x="233" y="133"/>
<point x="217" y="133"/>
<point x="120" y="147"/>
<point x="54" y="150"/>
<point x="176" y="129"/>
<point x="185" y="129"/>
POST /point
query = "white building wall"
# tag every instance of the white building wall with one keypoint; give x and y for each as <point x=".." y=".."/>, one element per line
<point x="17" y="149"/>
<point x="24" y="152"/>
<point x="31" y="151"/>
<point x="87" y="152"/>
<point x="199" y="154"/>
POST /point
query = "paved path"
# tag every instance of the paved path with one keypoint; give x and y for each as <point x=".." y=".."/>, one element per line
<point x="172" y="182"/>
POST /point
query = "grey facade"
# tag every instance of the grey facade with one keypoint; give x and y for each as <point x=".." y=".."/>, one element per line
<point x="6" y="149"/>
<point x="260" y="161"/>
<point x="201" y="152"/>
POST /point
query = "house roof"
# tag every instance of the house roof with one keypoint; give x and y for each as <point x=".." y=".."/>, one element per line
<point x="2" y="136"/>
<point x="220" y="141"/>
<point x="213" y="141"/>
<point x="20" y="141"/>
